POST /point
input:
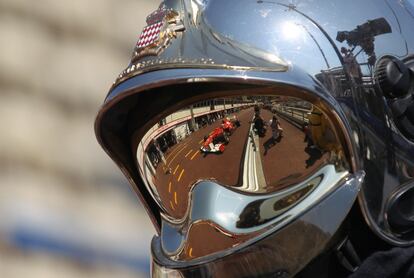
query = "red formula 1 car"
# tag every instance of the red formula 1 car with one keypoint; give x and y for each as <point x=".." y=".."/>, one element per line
<point x="215" y="142"/>
<point x="230" y="124"/>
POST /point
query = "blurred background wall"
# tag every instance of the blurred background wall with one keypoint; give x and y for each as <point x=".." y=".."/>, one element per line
<point x="65" y="209"/>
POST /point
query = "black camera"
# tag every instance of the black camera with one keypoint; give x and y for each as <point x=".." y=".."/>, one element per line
<point x="369" y="29"/>
<point x="364" y="34"/>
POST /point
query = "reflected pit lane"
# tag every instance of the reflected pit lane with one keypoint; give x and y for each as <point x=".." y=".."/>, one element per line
<point x="188" y="165"/>
<point x="281" y="165"/>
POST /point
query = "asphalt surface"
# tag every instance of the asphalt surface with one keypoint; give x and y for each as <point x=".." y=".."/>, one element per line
<point x="284" y="163"/>
<point x="289" y="160"/>
<point x="187" y="164"/>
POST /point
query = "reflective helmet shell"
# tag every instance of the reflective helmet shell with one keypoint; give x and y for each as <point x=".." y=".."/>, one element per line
<point x="335" y="49"/>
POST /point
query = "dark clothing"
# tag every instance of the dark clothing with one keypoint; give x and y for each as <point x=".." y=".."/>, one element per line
<point x="397" y="262"/>
<point x="258" y="123"/>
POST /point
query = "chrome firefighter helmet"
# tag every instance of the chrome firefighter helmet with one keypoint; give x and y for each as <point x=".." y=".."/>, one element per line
<point x="189" y="122"/>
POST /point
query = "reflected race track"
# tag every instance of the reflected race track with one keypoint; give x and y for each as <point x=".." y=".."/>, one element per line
<point x="230" y="169"/>
<point x="188" y="165"/>
<point x="286" y="155"/>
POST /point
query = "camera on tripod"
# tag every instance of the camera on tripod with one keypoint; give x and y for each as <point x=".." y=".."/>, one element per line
<point x="364" y="35"/>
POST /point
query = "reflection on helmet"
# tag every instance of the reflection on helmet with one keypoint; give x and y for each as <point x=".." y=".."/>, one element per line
<point x="225" y="180"/>
<point x="247" y="128"/>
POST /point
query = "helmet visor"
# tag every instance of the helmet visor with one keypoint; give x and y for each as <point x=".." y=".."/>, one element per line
<point x="234" y="162"/>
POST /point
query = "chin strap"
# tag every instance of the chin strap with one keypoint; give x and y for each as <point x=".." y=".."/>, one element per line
<point x="347" y="256"/>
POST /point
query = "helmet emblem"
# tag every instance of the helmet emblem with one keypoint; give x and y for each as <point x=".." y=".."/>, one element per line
<point x="162" y="28"/>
